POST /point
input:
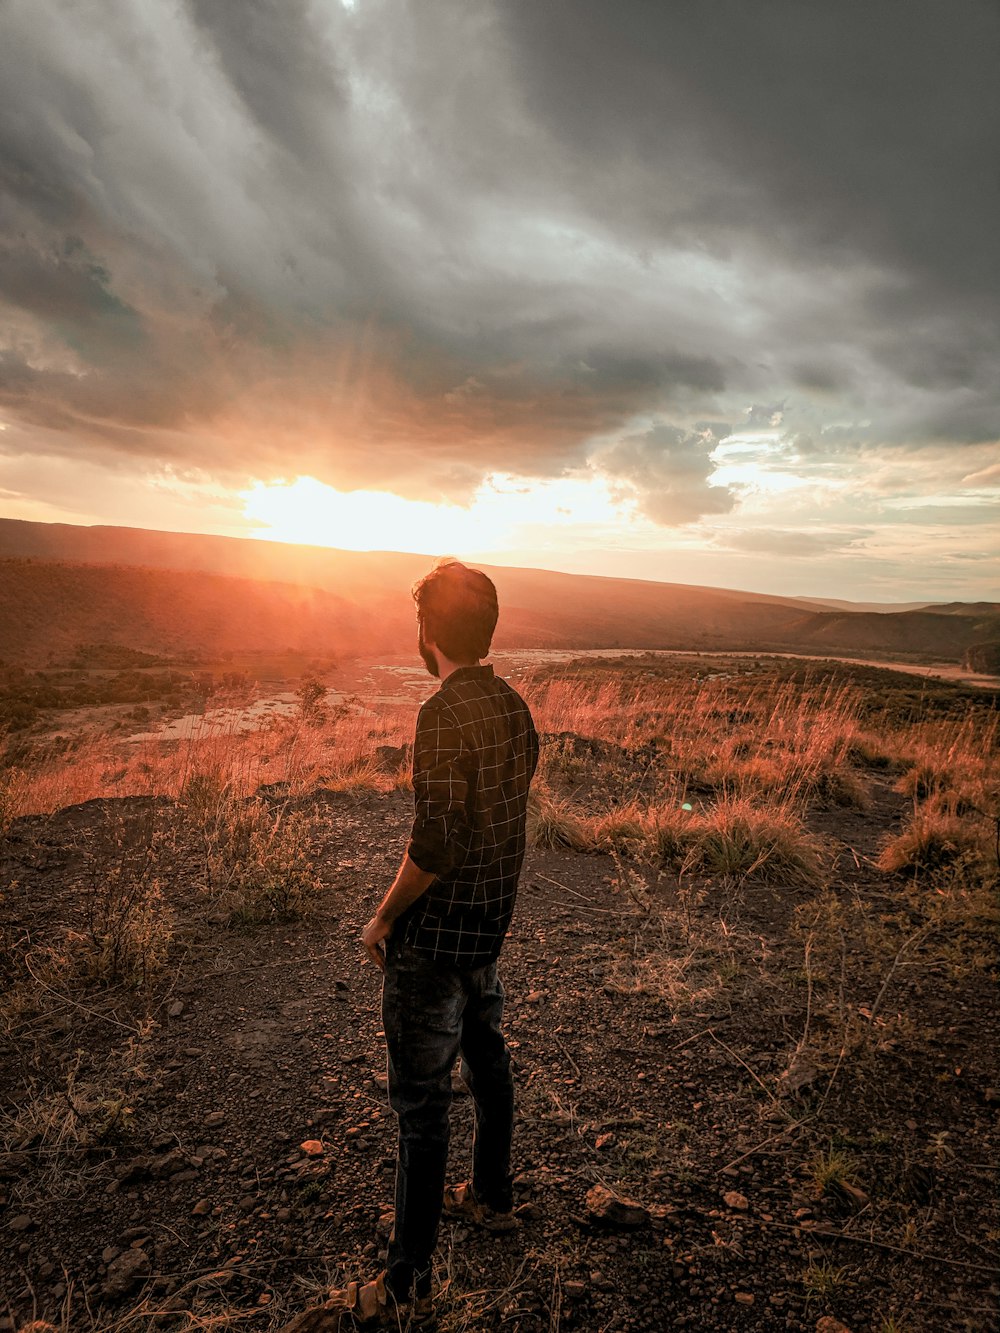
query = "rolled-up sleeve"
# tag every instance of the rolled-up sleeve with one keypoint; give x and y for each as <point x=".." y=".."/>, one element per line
<point x="439" y="839"/>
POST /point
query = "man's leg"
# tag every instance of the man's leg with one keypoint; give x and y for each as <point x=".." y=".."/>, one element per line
<point x="422" y="1004"/>
<point x="486" y="1066"/>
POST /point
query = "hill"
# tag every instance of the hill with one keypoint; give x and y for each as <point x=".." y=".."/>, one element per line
<point x="169" y="592"/>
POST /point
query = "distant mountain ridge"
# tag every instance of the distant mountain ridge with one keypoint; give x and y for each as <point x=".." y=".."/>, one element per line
<point x="61" y="585"/>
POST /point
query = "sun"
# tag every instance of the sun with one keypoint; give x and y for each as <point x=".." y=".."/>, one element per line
<point x="309" y="512"/>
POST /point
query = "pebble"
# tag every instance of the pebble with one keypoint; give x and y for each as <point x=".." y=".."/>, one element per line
<point x="733" y="1199"/>
<point x="22" y="1223"/>
<point x="608" y="1208"/>
<point x="214" y="1119"/>
<point x="743" y="1297"/>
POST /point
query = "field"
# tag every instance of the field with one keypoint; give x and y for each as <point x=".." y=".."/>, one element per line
<point x="751" y="989"/>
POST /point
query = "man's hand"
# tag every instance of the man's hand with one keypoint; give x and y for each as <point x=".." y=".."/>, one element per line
<point x="373" y="937"/>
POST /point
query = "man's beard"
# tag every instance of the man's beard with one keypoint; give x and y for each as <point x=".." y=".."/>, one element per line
<point x="430" y="660"/>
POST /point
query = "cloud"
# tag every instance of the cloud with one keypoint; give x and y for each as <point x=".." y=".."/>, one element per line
<point x="788" y="542"/>
<point x="666" y="469"/>
<point x="411" y="246"/>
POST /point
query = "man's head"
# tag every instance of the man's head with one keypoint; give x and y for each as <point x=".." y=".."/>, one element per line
<point x="456" y="613"/>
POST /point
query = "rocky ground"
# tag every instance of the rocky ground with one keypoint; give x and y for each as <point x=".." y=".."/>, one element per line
<point x="796" y="1090"/>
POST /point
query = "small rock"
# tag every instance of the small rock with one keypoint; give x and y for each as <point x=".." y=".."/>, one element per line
<point x="534" y="997"/>
<point x="202" y="1207"/>
<point x="124" y="1273"/>
<point x="827" y="1324"/>
<point x="22" y="1223"/>
<point x="214" y="1119"/>
<point x="743" y="1297"/>
<point x="109" y="1252"/>
<point x="176" y="1009"/>
<point x="802" y="1072"/>
<point x="575" y="1290"/>
<point x="312" y="1148"/>
<point x="733" y="1199"/>
<point x="611" y="1210"/>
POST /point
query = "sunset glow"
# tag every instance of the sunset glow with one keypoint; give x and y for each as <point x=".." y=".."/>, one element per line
<point x="308" y="511"/>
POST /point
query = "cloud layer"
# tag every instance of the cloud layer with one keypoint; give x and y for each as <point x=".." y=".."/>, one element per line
<point x="410" y="244"/>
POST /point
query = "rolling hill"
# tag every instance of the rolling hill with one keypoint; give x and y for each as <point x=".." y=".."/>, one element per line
<point x="164" y="592"/>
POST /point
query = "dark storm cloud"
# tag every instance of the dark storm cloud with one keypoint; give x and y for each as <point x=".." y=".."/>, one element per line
<point x="408" y="244"/>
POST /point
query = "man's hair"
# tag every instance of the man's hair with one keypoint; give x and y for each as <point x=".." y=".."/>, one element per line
<point x="457" y="609"/>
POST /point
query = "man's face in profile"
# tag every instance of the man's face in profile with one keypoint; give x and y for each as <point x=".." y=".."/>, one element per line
<point x="430" y="658"/>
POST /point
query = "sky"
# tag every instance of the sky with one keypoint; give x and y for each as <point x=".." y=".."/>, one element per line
<point x="707" y="293"/>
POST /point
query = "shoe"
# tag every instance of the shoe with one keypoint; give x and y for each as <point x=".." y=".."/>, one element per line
<point x="460" y="1201"/>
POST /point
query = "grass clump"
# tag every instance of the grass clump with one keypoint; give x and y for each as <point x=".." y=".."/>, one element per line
<point x="766" y="844"/>
<point x="553" y="823"/>
<point x="936" y="840"/>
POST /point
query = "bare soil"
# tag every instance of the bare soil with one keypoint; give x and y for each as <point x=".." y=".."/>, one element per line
<point x="800" y="1029"/>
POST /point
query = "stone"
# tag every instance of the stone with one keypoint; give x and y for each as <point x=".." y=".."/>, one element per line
<point x="733" y="1199"/>
<point x="801" y="1074"/>
<point x="575" y="1290"/>
<point x="176" y="1009"/>
<point x="124" y="1273"/>
<point x="214" y="1119"/>
<point x="611" y="1210"/>
<point x="827" y="1324"/>
<point x="202" y="1207"/>
<point x="22" y="1223"/>
<point x="312" y="1148"/>
<point x="743" y="1297"/>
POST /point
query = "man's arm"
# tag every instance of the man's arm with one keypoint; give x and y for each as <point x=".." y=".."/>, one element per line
<point x="409" y="884"/>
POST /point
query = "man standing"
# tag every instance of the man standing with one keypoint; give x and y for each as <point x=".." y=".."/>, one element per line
<point x="438" y="933"/>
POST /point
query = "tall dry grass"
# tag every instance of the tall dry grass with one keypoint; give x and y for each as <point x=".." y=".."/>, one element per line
<point x="297" y="755"/>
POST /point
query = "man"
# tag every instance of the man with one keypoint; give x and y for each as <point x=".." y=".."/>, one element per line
<point x="437" y="935"/>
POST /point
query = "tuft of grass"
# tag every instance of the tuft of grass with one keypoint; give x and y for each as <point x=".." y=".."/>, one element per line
<point x="821" y="1280"/>
<point x="552" y="822"/>
<point x="834" y="1174"/>
<point x="765" y="844"/>
<point x="933" y="840"/>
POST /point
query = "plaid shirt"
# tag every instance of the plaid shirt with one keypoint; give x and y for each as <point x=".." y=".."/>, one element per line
<point x="474" y="755"/>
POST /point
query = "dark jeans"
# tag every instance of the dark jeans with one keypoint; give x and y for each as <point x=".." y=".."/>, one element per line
<point x="431" y="1011"/>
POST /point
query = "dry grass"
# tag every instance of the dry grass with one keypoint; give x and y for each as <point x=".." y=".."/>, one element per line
<point x="756" y="843"/>
<point x="258" y="862"/>
<point x="298" y="754"/>
<point x="937" y="840"/>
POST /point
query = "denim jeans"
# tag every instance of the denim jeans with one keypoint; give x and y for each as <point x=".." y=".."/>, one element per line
<point x="431" y="1012"/>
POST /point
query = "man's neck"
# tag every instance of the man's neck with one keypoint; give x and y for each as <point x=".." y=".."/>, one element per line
<point x="446" y="667"/>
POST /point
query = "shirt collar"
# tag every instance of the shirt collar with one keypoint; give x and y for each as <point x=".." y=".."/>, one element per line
<point x="468" y="673"/>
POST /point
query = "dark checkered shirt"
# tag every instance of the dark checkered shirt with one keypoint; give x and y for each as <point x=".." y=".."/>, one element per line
<point x="473" y="758"/>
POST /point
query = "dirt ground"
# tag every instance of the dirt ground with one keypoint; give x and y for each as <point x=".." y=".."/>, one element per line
<point x="800" y="1091"/>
